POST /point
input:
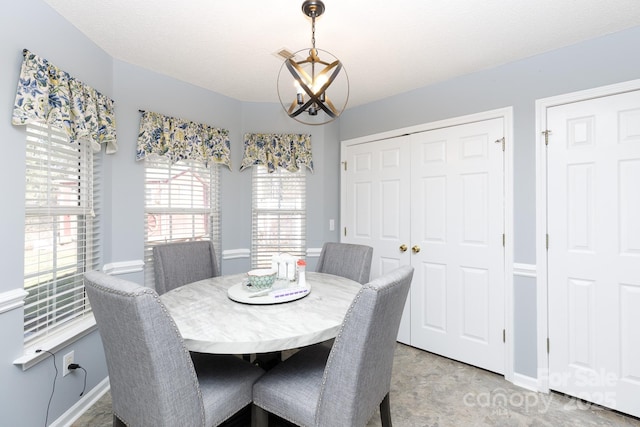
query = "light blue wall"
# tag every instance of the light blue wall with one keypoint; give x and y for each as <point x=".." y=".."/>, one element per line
<point x="135" y="89"/>
<point x="606" y="60"/>
<point x="323" y="185"/>
<point x="32" y="24"/>
<point x="525" y="327"/>
<point x="602" y="61"/>
<point x="138" y="89"/>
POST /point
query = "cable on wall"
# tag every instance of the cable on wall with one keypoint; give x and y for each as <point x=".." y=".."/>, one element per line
<point x="74" y="366"/>
<point x="53" y="389"/>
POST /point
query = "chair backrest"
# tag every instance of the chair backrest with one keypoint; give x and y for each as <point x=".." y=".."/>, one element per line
<point x="153" y="380"/>
<point x="358" y="372"/>
<point x="176" y="264"/>
<point x="346" y="260"/>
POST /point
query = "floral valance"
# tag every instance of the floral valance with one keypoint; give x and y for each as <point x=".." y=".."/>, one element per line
<point x="46" y="94"/>
<point x="180" y="139"/>
<point x="277" y="150"/>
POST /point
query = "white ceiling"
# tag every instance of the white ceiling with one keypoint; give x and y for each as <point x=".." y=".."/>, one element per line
<point x="387" y="47"/>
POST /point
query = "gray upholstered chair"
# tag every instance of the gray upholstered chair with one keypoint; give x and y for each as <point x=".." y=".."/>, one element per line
<point x="346" y="260"/>
<point x="342" y="386"/>
<point x="179" y="263"/>
<point x="154" y="379"/>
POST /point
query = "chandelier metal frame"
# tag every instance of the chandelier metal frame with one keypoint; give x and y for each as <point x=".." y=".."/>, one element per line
<point x="311" y="96"/>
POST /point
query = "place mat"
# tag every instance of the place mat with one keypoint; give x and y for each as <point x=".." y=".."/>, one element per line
<point x="239" y="293"/>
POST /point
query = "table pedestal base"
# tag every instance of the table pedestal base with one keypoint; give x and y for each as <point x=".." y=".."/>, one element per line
<point x="267" y="360"/>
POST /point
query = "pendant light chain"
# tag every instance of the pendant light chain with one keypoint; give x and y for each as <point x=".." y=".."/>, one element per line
<point x="313" y="52"/>
<point x="313" y="30"/>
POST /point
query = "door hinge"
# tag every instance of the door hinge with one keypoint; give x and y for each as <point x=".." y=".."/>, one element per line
<point x="345" y="232"/>
<point x="546" y="134"/>
<point x="504" y="239"/>
<point x="344" y="164"/>
<point x="548" y="345"/>
<point x="500" y="141"/>
<point x="547" y="241"/>
<point x="504" y="335"/>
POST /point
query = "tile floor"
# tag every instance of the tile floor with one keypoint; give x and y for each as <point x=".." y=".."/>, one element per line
<point x="432" y="391"/>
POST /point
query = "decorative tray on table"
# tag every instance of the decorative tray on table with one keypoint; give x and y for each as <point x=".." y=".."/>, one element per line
<point x="279" y="293"/>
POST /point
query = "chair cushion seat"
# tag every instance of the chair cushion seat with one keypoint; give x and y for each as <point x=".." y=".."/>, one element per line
<point x="226" y="384"/>
<point x="291" y="390"/>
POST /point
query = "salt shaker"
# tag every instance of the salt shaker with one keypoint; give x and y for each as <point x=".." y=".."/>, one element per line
<point x="301" y="267"/>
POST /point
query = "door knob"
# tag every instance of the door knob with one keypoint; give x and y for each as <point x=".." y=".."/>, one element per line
<point x="403" y="248"/>
<point x="415" y="249"/>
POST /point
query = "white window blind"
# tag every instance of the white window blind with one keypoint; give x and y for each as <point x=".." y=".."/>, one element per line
<point x="61" y="230"/>
<point x="181" y="204"/>
<point x="278" y="215"/>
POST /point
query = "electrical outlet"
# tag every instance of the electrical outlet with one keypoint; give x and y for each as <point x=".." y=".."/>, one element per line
<point x="66" y="361"/>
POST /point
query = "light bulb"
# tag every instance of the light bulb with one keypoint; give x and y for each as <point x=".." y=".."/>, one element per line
<point x="299" y="93"/>
<point x="318" y="82"/>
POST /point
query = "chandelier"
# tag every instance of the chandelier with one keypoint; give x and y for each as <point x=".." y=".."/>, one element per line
<point x="312" y="90"/>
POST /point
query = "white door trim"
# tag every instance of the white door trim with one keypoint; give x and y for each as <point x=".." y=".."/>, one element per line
<point x="541" y="210"/>
<point x="506" y="114"/>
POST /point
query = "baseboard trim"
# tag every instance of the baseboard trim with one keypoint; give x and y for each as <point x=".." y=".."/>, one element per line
<point x="82" y="405"/>
<point x="12" y="299"/>
<point x="525" y="270"/>
<point x="235" y="253"/>
<point x="123" y="267"/>
<point x="313" y="252"/>
<point x="525" y="381"/>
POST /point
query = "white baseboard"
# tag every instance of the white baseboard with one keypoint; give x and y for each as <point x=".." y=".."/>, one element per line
<point x="235" y="253"/>
<point x="123" y="267"/>
<point x="525" y="270"/>
<point x="82" y="405"/>
<point x="313" y="252"/>
<point x="12" y="299"/>
<point x="524" y="381"/>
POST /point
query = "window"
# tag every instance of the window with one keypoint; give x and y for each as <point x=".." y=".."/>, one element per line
<point x="181" y="203"/>
<point x="278" y="215"/>
<point x="61" y="230"/>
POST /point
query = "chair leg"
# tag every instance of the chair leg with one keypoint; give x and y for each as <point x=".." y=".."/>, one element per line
<point x="385" y="412"/>
<point x="259" y="417"/>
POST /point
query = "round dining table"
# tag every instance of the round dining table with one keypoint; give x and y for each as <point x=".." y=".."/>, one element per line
<point x="212" y="322"/>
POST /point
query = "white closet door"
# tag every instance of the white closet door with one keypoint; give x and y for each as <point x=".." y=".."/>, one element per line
<point x="457" y="222"/>
<point x="593" y="222"/>
<point x="377" y="199"/>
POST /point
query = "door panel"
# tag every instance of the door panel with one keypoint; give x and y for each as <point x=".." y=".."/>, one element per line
<point x="476" y="319"/>
<point x="457" y="221"/>
<point x="594" y="250"/>
<point x="440" y="193"/>
<point x="434" y="220"/>
<point x="377" y="197"/>
<point x="434" y="298"/>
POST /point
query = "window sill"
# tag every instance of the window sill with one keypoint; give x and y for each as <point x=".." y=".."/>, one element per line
<point x="56" y="342"/>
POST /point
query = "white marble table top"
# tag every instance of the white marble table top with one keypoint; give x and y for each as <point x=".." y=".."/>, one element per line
<point x="210" y="322"/>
